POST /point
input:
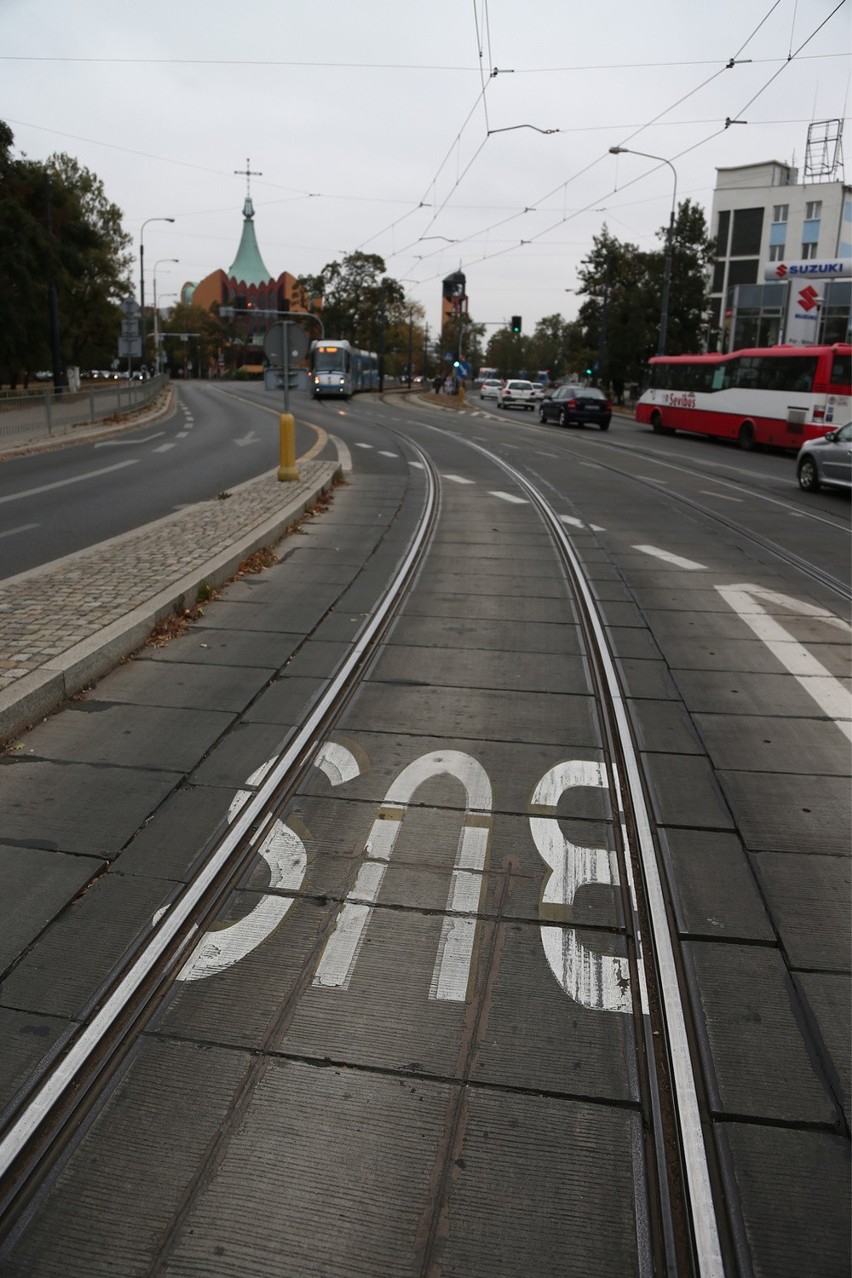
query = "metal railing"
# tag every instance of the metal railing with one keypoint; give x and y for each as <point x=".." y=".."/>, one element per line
<point x="50" y="412"/>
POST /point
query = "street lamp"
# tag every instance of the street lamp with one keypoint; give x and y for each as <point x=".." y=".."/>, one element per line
<point x="142" y="272"/>
<point x="667" y="272"/>
<point x="157" y="314"/>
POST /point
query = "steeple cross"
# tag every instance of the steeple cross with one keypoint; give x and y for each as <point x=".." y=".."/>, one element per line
<point x="248" y="172"/>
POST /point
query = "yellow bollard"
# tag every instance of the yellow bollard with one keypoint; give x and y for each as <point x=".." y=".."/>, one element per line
<point x="461" y="393"/>
<point x="287" y="430"/>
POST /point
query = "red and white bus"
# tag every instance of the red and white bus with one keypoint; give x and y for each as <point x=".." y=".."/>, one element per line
<point x="779" y="395"/>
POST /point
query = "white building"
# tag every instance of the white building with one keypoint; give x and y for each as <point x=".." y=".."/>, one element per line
<point x="761" y="215"/>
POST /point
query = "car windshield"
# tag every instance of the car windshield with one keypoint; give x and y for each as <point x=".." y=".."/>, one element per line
<point x="525" y="386"/>
<point x="587" y="392"/>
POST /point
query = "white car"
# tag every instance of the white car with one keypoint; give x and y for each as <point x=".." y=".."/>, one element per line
<point x="539" y="391"/>
<point x="490" y="389"/>
<point x="516" y="394"/>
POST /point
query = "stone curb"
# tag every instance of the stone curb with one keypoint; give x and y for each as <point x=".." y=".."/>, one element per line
<point x="43" y="690"/>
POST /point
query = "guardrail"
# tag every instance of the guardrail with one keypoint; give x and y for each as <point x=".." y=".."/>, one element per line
<point x="50" y="412"/>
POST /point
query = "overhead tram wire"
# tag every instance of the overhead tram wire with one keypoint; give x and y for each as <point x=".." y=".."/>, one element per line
<point x="702" y="142"/>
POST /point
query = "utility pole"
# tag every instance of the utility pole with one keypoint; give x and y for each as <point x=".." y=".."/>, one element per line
<point x="53" y="301"/>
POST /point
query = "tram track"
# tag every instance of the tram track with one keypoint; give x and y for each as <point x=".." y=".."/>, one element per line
<point x="41" y="1122"/>
<point x="683" y="1180"/>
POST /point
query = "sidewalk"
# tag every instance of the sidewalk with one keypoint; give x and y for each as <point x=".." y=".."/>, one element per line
<point x="68" y="622"/>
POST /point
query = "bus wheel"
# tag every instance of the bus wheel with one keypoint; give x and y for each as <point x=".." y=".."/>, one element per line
<point x="656" y="423"/>
<point x="746" y="436"/>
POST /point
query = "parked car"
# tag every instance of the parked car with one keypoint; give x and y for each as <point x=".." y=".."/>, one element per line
<point x="574" y="405"/>
<point x="826" y="461"/>
<point x="490" y="388"/>
<point x="516" y="394"/>
<point x="539" y="391"/>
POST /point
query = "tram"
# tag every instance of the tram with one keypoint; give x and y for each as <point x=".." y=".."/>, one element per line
<point x="338" y="369"/>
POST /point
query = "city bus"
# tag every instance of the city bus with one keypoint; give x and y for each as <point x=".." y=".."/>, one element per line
<point x="780" y="395"/>
<point x="338" y="369"/>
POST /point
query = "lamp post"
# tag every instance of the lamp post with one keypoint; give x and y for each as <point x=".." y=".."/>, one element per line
<point x="667" y="271"/>
<point x="142" y="273"/>
<point x="157" y="314"/>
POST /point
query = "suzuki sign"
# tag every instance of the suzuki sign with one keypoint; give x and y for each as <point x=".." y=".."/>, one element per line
<point x="838" y="268"/>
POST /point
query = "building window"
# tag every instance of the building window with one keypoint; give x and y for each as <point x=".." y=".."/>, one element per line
<point x="813" y="209"/>
<point x="779" y="212"/>
<point x="747" y="232"/>
<point x="776" y="252"/>
<point x="722" y="233"/>
<point x="809" y="251"/>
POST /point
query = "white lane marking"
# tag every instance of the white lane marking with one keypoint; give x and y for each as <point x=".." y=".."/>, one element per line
<point x="250" y="438"/>
<point x="370" y="446"/>
<point x="344" y="456"/>
<point x="455" y="948"/>
<point x="285" y="855"/>
<point x="182" y="434"/>
<point x="708" y="492"/>
<point x="510" y="497"/>
<point x="385" y="453"/>
<point x="677" y="561"/>
<point x="597" y="981"/>
<point x="828" y="692"/>
<point x="22" y="528"/>
<point x="74" y="479"/>
<point x="163" y="448"/>
<point x="597" y="528"/>
<point x="417" y="465"/>
<point x="575" y="523"/>
<point x="123" y="443"/>
<point x="458" y="479"/>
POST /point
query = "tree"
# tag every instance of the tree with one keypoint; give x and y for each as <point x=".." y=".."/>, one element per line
<point x="692" y="252"/>
<point x="56" y="224"/>
<point x="358" y="299"/>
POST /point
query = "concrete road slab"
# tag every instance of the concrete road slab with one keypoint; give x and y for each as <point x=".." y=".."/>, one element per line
<point x="513" y="1204"/>
<point x="664" y="727"/>
<point x="513" y="772"/>
<point x="763" y="1065"/>
<point x="795" y="1194"/>
<point x="536" y="1036"/>
<point x="827" y="998"/>
<point x="647" y="679"/>
<point x="472" y="668"/>
<point x="482" y="634"/>
<point x="809" y="897"/>
<point x="26" y="1038"/>
<point x="297" y="614"/>
<point x="286" y="700"/>
<point x="357" y="1179"/>
<point x="95" y="931"/>
<point x="76" y="807"/>
<point x="128" y="736"/>
<point x="90" y="1222"/>
<point x="756" y="744"/>
<point x="482" y="714"/>
<point x="182" y="685"/>
<point x="715" y="890"/>
<point x="169" y="843"/>
<point x="467" y="606"/>
<point x="684" y="791"/>
<point x="35" y="885"/>
<point x="727" y="692"/>
<point x="243" y="750"/>
<point x="202" y="645"/>
<point x="778" y="812"/>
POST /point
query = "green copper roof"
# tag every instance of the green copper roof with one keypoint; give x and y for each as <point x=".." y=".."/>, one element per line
<point x="248" y="266"/>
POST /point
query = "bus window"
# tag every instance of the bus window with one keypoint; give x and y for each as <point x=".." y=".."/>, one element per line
<point x="841" y="370"/>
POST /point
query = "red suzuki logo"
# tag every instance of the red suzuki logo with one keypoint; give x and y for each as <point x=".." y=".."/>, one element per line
<point x="808" y="298"/>
<point x="781" y="270"/>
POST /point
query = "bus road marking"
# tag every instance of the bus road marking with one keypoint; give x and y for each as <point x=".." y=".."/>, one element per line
<point x="510" y="497"/>
<point x="708" y="492"/>
<point x="677" y="561"/>
<point x="458" y="479"/>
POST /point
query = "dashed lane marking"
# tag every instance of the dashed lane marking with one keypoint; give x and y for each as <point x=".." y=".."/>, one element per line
<point x="73" y="479"/>
<point x="676" y="560"/>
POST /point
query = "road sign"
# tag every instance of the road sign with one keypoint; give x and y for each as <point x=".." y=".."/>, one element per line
<point x="463" y="368"/>
<point x="129" y="305"/>
<point x="295" y="337"/>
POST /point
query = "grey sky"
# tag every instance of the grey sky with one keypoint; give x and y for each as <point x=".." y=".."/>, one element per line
<point x="377" y="125"/>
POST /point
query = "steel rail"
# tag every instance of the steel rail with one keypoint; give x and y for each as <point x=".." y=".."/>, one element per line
<point x="42" y="1113"/>
<point x="630" y="786"/>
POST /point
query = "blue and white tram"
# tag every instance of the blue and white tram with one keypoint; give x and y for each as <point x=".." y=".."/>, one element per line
<point x="338" y="369"/>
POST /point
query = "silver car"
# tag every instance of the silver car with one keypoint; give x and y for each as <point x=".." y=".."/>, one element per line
<point x="826" y="461"/>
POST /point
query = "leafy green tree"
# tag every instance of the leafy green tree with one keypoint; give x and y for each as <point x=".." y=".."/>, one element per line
<point x="358" y="299"/>
<point x="56" y="224"/>
<point x="692" y="252"/>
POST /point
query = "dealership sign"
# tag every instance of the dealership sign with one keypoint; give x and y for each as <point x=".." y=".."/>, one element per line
<point x="837" y="268"/>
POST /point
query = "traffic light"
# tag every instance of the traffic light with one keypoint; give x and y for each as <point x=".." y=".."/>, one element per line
<point x="516" y="323"/>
